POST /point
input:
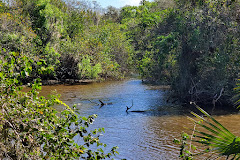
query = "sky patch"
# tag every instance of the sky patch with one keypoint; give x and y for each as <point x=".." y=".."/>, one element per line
<point x="118" y="3"/>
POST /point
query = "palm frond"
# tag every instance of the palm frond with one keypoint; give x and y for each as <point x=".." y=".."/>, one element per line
<point x="216" y="135"/>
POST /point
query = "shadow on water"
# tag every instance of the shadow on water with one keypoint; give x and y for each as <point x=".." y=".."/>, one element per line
<point x="146" y="131"/>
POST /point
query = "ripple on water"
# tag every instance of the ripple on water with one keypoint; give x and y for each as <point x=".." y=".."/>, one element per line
<point x="139" y="136"/>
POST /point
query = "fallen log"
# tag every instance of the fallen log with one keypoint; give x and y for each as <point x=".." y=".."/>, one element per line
<point x="137" y="111"/>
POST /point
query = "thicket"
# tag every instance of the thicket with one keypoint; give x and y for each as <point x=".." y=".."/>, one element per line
<point x="209" y="138"/>
<point x="191" y="45"/>
<point x="65" y="39"/>
<point x="53" y="39"/>
<point x="31" y="129"/>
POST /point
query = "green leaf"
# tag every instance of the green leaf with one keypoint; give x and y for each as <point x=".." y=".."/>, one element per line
<point x="221" y="139"/>
<point x="39" y="63"/>
<point x="84" y="118"/>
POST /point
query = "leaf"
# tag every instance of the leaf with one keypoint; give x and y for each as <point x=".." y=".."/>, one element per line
<point x="176" y="141"/>
<point x="84" y="118"/>
<point x="39" y="63"/>
<point x="222" y="140"/>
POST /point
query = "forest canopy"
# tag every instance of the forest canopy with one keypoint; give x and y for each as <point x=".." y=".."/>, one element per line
<point x="65" y="39"/>
<point x="191" y="45"/>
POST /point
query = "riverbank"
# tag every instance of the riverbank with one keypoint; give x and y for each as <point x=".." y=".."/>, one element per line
<point x="68" y="81"/>
<point x="218" y="109"/>
<point x="151" y="126"/>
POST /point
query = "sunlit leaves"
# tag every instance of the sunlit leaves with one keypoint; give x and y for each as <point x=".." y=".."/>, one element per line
<point x="31" y="128"/>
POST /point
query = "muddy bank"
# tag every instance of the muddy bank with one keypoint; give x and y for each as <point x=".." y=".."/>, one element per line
<point x="68" y="81"/>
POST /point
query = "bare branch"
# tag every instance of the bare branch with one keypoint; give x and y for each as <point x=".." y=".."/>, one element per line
<point x="129" y="107"/>
<point x="216" y="99"/>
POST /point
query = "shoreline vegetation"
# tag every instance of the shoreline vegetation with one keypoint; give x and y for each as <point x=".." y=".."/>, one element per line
<point x="192" y="46"/>
<point x="68" y="81"/>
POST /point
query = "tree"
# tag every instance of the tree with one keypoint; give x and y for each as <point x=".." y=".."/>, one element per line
<point x="112" y="14"/>
<point x="31" y="129"/>
<point x="191" y="46"/>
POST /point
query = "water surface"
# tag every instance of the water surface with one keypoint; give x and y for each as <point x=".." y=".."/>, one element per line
<point x="139" y="135"/>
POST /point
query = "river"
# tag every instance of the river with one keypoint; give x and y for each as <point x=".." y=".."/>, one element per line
<point x="141" y="135"/>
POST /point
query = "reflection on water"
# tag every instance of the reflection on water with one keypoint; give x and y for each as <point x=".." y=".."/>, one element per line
<point x="139" y="135"/>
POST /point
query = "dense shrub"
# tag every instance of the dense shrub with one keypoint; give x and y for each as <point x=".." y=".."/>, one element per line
<point x="31" y="129"/>
<point x="191" y="46"/>
<point x="54" y="31"/>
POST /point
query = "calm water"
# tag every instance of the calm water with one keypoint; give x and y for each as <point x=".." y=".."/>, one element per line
<point x="139" y="135"/>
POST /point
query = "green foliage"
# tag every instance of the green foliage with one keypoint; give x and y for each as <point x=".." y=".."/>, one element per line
<point x="48" y="62"/>
<point x="204" y="58"/>
<point x="31" y="129"/>
<point x="220" y="139"/>
<point x="216" y="140"/>
<point x="186" y="148"/>
<point x="145" y="65"/>
<point x="75" y="23"/>
<point x="105" y="46"/>
<point x="87" y="70"/>
<point x="190" y="45"/>
<point x="112" y="14"/>
<point x="58" y="34"/>
<point x="2" y="7"/>
<point x="236" y="98"/>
